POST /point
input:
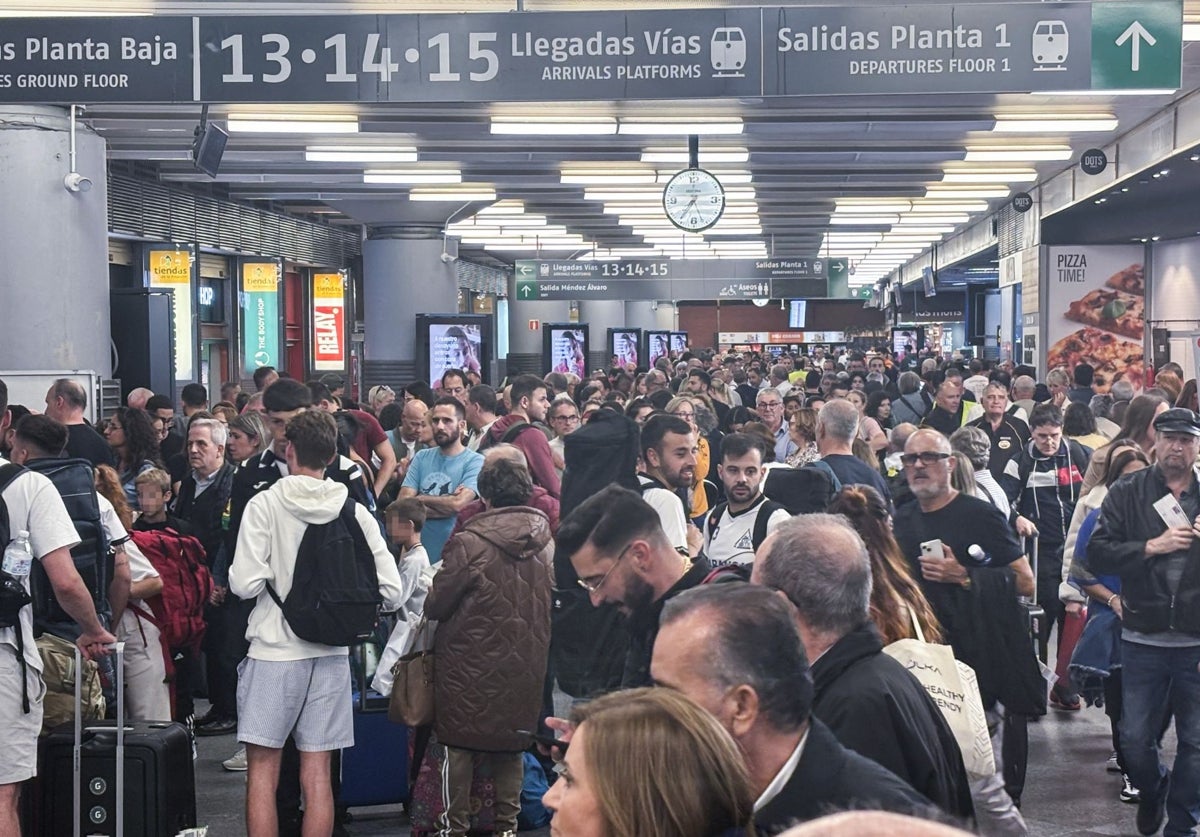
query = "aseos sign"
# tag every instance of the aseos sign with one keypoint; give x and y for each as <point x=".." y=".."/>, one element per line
<point x="329" y="322"/>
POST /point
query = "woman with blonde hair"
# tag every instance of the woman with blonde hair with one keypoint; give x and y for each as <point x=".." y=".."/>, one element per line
<point x="650" y="763"/>
<point x="684" y="407"/>
<point x="802" y="428"/>
<point x="896" y="597"/>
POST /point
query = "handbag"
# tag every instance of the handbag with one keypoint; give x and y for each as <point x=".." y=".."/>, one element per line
<point x="954" y="688"/>
<point x="411" y="701"/>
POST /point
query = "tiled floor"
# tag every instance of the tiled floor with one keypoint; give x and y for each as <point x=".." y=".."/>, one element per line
<point x="1067" y="792"/>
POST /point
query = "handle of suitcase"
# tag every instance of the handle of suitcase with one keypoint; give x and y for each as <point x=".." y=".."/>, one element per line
<point x="77" y="752"/>
<point x="1034" y="610"/>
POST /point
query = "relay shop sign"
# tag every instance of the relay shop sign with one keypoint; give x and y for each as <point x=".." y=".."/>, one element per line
<point x="705" y="53"/>
<point x="329" y="322"/>
<point x="260" y="315"/>
<point x="672" y="279"/>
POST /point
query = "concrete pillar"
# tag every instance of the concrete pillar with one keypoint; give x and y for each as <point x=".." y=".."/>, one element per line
<point x="524" y="343"/>
<point x="640" y="313"/>
<point x="403" y="275"/>
<point x="55" y="245"/>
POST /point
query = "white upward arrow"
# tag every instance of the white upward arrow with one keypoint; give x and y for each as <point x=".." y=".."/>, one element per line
<point x="1137" y="33"/>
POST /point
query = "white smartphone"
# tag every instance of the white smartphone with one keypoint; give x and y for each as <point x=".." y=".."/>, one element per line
<point x="932" y="549"/>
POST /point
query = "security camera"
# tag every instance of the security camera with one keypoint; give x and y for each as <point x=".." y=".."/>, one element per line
<point x="76" y="182"/>
<point x="447" y="258"/>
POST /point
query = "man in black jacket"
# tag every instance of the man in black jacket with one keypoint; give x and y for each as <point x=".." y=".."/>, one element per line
<point x="871" y="703"/>
<point x="1147" y="535"/>
<point x="621" y="555"/>
<point x="734" y="650"/>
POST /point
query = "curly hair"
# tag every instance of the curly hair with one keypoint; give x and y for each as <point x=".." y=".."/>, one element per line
<point x="896" y="597"/>
<point x="141" y="439"/>
<point x="109" y="485"/>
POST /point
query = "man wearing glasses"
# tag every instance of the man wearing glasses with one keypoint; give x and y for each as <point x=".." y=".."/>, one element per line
<point x="971" y="569"/>
<point x="564" y="420"/>
<point x="616" y="544"/>
<point x="770" y="413"/>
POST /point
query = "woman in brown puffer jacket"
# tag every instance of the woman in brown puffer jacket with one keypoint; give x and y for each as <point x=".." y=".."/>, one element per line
<point x="491" y="598"/>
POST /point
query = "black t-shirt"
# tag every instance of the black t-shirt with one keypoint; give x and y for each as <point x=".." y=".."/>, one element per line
<point x="853" y="471"/>
<point x="1007" y="441"/>
<point x="964" y="521"/>
<point x="85" y="443"/>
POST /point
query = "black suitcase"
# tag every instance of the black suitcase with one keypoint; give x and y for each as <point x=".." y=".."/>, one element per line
<point x="158" y="777"/>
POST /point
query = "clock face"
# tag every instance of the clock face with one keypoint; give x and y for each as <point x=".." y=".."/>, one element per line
<point x="693" y="200"/>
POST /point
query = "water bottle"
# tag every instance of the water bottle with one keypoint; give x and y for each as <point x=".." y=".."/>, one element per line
<point x="18" y="557"/>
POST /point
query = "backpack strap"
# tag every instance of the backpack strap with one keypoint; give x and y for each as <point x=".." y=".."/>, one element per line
<point x="822" y="465"/>
<point x="513" y="432"/>
<point x="8" y="473"/>
<point x="768" y="508"/>
<point x="714" y="517"/>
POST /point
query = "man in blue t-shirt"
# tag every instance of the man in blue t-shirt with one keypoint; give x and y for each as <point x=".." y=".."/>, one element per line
<point x="443" y="478"/>
<point x="837" y="428"/>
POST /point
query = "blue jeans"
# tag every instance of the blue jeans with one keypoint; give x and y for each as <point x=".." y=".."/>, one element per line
<point x="1157" y="681"/>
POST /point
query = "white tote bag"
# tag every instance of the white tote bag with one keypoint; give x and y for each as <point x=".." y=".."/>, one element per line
<point x="953" y="687"/>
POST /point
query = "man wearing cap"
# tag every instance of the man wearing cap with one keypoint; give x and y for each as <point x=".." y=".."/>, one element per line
<point x="1147" y="534"/>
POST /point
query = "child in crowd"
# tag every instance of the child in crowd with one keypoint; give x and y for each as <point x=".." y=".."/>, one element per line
<point x="404" y="520"/>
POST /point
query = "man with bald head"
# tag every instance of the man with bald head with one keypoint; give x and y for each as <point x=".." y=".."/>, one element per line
<point x="540" y="499"/>
<point x="872" y="704"/>
<point x="138" y="397"/>
<point x="65" y="402"/>
<point x="971" y="568"/>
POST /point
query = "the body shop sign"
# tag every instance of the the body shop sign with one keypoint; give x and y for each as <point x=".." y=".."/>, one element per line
<point x="260" y="315"/>
<point x="172" y="268"/>
<point x="329" y="322"/>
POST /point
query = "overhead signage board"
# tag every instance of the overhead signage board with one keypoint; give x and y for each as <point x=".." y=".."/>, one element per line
<point x="706" y="53"/>
<point x="329" y="322"/>
<point x="260" y="315"/>
<point x="727" y="279"/>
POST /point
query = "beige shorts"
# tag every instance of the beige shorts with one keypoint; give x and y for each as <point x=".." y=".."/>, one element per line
<point x="19" y="728"/>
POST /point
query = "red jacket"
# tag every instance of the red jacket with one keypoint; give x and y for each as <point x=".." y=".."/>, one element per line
<point x="541" y="500"/>
<point x="533" y="444"/>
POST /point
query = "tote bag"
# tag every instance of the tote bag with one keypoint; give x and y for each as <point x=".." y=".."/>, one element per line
<point x="954" y="689"/>
<point x="411" y="701"/>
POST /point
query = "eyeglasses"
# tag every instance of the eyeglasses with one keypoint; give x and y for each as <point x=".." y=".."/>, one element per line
<point x="586" y="584"/>
<point x="769" y="405"/>
<point x="928" y="457"/>
<point x="569" y="419"/>
<point x="685" y="416"/>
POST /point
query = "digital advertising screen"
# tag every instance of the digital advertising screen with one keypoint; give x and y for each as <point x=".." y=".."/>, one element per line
<point x="658" y="344"/>
<point x="454" y="342"/>
<point x="623" y="346"/>
<point x="679" y="342"/>
<point x="907" y="341"/>
<point x="565" y="348"/>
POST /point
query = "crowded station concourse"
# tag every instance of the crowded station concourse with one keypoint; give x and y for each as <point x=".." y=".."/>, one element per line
<point x="630" y="418"/>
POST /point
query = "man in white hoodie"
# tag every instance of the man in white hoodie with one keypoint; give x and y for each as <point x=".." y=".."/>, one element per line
<point x="287" y="686"/>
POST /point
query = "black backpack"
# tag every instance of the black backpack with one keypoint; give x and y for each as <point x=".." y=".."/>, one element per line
<point x="75" y="482"/>
<point x="800" y="490"/>
<point x="765" y="510"/>
<point x="335" y="597"/>
<point x="13" y="597"/>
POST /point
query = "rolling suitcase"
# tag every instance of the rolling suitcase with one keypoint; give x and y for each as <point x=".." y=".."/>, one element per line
<point x="375" y="769"/>
<point x="132" y="779"/>
<point x="1015" y="743"/>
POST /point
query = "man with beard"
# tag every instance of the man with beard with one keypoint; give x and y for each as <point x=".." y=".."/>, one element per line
<point x="1146" y="534"/>
<point x="443" y="478"/>
<point x="669" y="460"/>
<point x="736" y="528"/>
<point x="616" y="543"/>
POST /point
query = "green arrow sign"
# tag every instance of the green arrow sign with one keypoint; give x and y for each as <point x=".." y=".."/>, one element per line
<point x="837" y="268"/>
<point x="527" y="289"/>
<point x="1137" y="45"/>
<point x="526" y="268"/>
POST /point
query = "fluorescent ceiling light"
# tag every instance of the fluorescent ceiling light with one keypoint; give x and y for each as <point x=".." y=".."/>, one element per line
<point x="727" y="178"/>
<point x="608" y="179"/>
<point x="671" y="155"/>
<point x="1034" y="124"/>
<point x="849" y="220"/>
<point x="635" y="127"/>
<point x="1024" y="176"/>
<point x="1148" y="91"/>
<point x="951" y="194"/>
<point x="412" y="176"/>
<point x="913" y="229"/>
<point x="930" y="218"/>
<point x="426" y="194"/>
<point x="552" y="126"/>
<point x="969" y="207"/>
<point x="1017" y="154"/>
<point x="733" y="229"/>
<point x="1191" y="31"/>
<point x="502" y="246"/>
<point x="278" y="123"/>
<point x="359" y="154"/>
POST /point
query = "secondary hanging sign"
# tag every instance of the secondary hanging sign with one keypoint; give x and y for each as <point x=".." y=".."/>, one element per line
<point x="171" y="267"/>
<point x="260" y="315"/>
<point x="329" y="322"/>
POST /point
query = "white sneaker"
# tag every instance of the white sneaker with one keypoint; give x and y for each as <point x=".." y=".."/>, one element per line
<point x="237" y="762"/>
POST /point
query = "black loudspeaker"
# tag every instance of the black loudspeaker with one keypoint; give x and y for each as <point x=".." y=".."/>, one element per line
<point x="144" y="340"/>
<point x="208" y="148"/>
